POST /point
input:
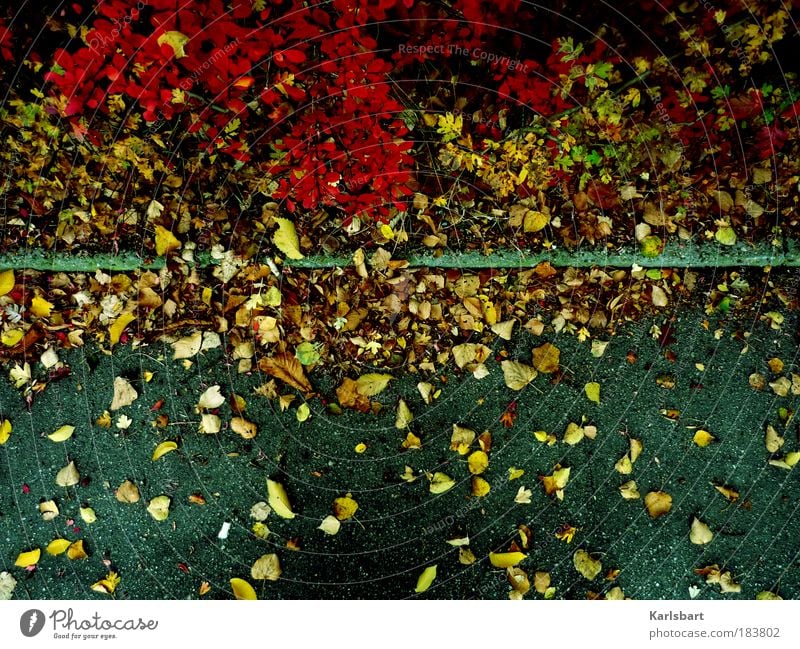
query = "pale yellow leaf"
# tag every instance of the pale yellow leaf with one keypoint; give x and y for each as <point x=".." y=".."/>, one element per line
<point x="278" y="499"/>
<point x="61" y="434"/>
<point x="425" y="579"/>
<point x="440" y="482"/>
<point x="211" y="398"/>
<point x="159" y="507"/>
<point x="586" y="565"/>
<point x="404" y="416"/>
<point x="592" y="391"/>
<point x="285" y="239"/>
<point x="369" y="385"/>
<point x="700" y="533"/>
<point x="330" y="525"/>
<point x="177" y="41"/>
<point x="68" y="476"/>
<point x="266" y="567"/>
<point x="517" y="375"/>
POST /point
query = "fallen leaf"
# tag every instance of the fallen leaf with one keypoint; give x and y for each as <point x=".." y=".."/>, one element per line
<point x="165" y="240"/>
<point x="285" y="239"/>
<point x="586" y="565"/>
<point x="425" y="579"/>
<point x="467" y="353"/>
<point x="480" y="487"/>
<point x="118" y="326"/>
<point x="5" y="431"/>
<point x="370" y="385"/>
<point x="506" y="559"/>
<point x="546" y="358"/>
<point x="243" y="428"/>
<point x="725" y="235"/>
<point x="278" y="499"/>
<point x="461" y="439"/>
<point x="523" y="496"/>
<point x="781" y="386"/>
<point x="127" y="492"/>
<point x="555" y="483"/>
<point x="514" y="473"/>
<point x="6" y="282"/>
<point x="629" y="490"/>
<point x="658" y="503"/>
<point x="188" y="346"/>
<point x="209" y="424"/>
<point x="242" y="590"/>
<point x="88" y="515"/>
<point x="158" y="507"/>
<point x="504" y="329"/>
<point x="466" y="556"/>
<point x="211" y="398"/>
<point x="440" y="482"/>
<point x="330" y="525"/>
<point x="541" y="581"/>
<point x="412" y="441"/>
<point x="288" y="369"/>
<point x="345" y="507"/>
<point x="177" y="41"/>
<point x="477" y="462"/>
<point x="48" y="509"/>
<point x="61" y="434"/>
<point x="636" y="448"/>
<point x="124" y="394"/>
<point x="266" y="567"/>
<point x="517" y="375"/>
<point x="404" y="416"/>
<point x="772" y="440"/>
<point x="703" y="438"/>
<point x="40" y="307"/>
<point x="307" y="353"/>
<point x="592" y="391"/>
<point x="162" y="449"/>
<point x="303" y="412"/>
<point x="108" y="584"/>
<point x="58" y="546"/>
<point x="573" y="434"/>
<point x="68" y="476"/>
<point x="700" y="533"/>
<point x="624" y="465"/>
<point x="76" y="551"/>
<point x="30" y="558"/>
<point x="766" y="595"/>
<point x="204" y="589"/>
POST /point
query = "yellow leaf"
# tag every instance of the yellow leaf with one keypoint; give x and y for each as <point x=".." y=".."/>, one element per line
<point x="700" y="533"/>
<point x="703" y="438"/>
<point x="404" y="415"/>
<point x="58" y="546"/>
<point x="30" y="558"/>
<point x="573" y="434"/>
<point x="12" y="337"/>
<point x="361" y="447"/>
<point x="506" y="559"/>
<point x="163" y="448"/>
<point x="278" y="499"/>
<point x="285" y="238"/>
<point x="624" y="465"/>
<point x="244" y="428"/>
<point x="658" y="503"/>
<point x="586" y="565"/>
<point x="165" y="241"/>
<point x="5" y="431"/>
<point x="731" y="495"/>
<point x="204" y="589"/>
<point x="108" y="584"/>
<point x="76" y="551"/>
<point x="68" y="476"/>
<point x="6" y="281"/>
<point x="514" y="473"/>
<point x="517" y="375"/>
<point x="478" y="462"/>
<point x="440" y="482"/>
<point x="412" y="441"/>
<point x="629" y="490"/>
<point x="480" y="487"/>
<point x="116" y="329"/>
<point x="88" y="515"/>
<point x="772" y="440"/>
<point x="425" y="580"/>
<point x="370" y="385"/>
<point x="242" y="589"/>
<point x="61" y="434"/>
<point x="541" y="582"/>
<point x="592" y="391"/>
<point x="40" y="307"/>
<point x="211" y="398"/>
<point x="158" y="507"/>
<point x="636" y="449"/>
<point x="127" y="492"/>
<point x="546" y="358"/>
<point x="557" y="481"/>
<point x="330" y="525"/>
<point x="303" y="412"/>
<point x="345" y="507"/>
<point x="124" y="395"/>
<point x="48" y="509"/>
<point x="461" y="439"/>
<point x="177" y="41"/>
<point x="266" y="567"/>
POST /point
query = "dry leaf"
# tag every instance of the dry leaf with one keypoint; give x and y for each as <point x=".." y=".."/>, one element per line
<point x="573" y="434"/>
<point x="7" y="282"/>
<point x="658" y="503"/>
<point x="242" y="590"/>
<point x="165" y="240"/>
<point x="288" y="369"/>
<point x="285" y="239"/>
<point x="440" y="482"/>
<point x="127" y="492"/>
<point x="76" y="551"/>
<point x="504" y="329"/>
<point x="772" y="440"/>
<point x="159" y="507"/>
<point x="541" y="581"/>
<point x="116" y="329"/>
<point x="586" y="565"/>
<point x="88" y="515"/>
<point x="243" y="428"/>
<point x="700" y="533"/>
<point x="629" y="490"/>
<point x="187" y="347"/>
<point x="370" y="385"/>
<point x="461" y="439"/>
<point x="345" y="507"/>
<point x="404" y="416"/>
<point x="703" y="438"/>
<point x="546" y="358"/>
<point x="68" y="476"/>
<point x="278" y="499"/>
<point x="124" y="394"/>
<point x="211" y="398"/>
<point x="48" y="509"/>
<point x="162" y="449"/>
<point x="107" y="585"/>
<point x="425" y="580"/>
<point x="517" y="375"/>
<point x="5" y="431"/>
<point x="266" y="567"/>
<point x="523" y="496"/>
<point x="209" y="424"/>
<point x="555" y="483"/>
<point x="412" y="441"/>
<point x="61" y="434"/>
<point x="330" y="525"/>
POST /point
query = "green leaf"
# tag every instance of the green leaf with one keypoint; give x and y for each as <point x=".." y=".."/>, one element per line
<point x="726" y="235"/>
<point x="307" y="353"/>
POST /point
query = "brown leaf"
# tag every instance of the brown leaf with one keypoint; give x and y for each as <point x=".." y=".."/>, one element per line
<point x="288" y="369"/>
<point x="349" y="396"/>
<point x="546" y="358"/>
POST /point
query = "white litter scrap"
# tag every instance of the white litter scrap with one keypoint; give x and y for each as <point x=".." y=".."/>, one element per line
<point x="223" y="532"/>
